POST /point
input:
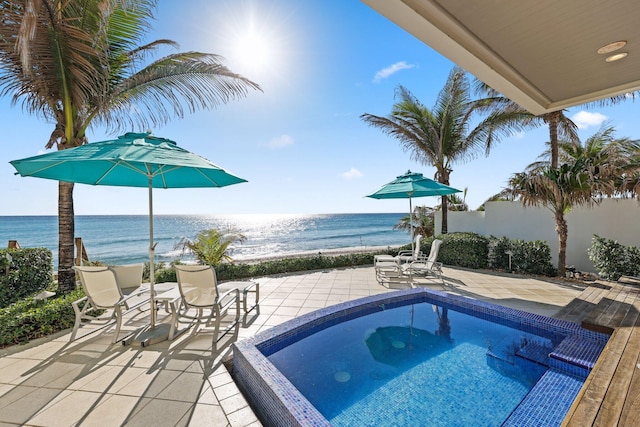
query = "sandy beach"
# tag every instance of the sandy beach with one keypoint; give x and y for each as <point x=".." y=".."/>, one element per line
<point x="327" y="252"/>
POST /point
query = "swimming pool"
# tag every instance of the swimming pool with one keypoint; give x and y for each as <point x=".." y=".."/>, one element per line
<point x="375" y="378"/>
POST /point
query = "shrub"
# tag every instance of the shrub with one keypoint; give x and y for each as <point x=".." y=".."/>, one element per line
<point x="527" y="257"/>
<point x="612" y="260"/>
<point x="30" y="271"/>
<point x="27" y="319"/>
<point x="467" y="250"/>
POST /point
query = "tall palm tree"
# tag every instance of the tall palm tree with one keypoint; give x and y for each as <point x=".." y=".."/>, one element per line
<point x="443" y="136"/>
<point x="587" y="172"/>
<point x="79" y="63"/>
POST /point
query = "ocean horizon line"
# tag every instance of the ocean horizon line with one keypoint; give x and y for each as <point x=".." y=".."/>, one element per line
<point x="124" y="239"/>
<point x="212" y="214"/>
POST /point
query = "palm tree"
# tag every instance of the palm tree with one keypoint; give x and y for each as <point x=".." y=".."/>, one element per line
<point x="422" y="220"/>
<point x="588" y="171"/>
<point x="441" y="136"/>
<point x="212" y="246"/>
<point x="559" y="125"/>
<point x="80" y="63"/>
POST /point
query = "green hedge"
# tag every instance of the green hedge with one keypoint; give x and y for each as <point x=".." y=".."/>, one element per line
<point x="469" y="250"/>
<point x="30" y="271"/>
<point x="612" y="260"/>
<point x="280" y="266"/>
<point x="527" y="257"/>
<point x="27" y="319"/>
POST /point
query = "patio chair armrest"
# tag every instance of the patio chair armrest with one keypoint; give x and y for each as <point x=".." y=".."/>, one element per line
<point x="76" y="305"/>
<point x="232" y="294"/>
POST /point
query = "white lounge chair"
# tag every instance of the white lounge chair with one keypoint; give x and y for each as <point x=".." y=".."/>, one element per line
<point x="102" y="293"/>
<point x="391" y="275"/>
<point x="202" y="301"/>
<point x="402" y="256"/>
<point x="129" y="278"/>
<point x="425" y="266"/>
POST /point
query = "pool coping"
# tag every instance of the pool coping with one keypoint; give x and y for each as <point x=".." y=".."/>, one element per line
<point x="280" y="403"/>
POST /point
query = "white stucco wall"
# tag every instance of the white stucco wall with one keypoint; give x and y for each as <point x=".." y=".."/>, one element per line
<point x="613" y="219"/>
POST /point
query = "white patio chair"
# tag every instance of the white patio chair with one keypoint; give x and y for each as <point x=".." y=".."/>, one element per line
<point x="129" y="279"/>
<point x="391" y="275"/>
<point x="402" y="256"/>
<point x="199" y="293"/>
<point x="102" y="293"/>
<point x="426" y="266"/>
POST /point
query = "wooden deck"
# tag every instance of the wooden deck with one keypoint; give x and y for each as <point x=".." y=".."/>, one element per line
<point x="611" y="394"/>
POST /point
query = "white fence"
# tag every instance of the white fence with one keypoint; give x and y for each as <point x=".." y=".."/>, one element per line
<point x="613" y="219"/>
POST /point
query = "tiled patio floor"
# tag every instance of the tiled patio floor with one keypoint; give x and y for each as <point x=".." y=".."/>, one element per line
<point x="181" y="383"/>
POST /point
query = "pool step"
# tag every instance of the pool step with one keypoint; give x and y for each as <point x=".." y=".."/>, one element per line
<point x="510" y="351"/>
<point x="537" y="408"/>
<point x="535" y="352"/>
<point x="576" y="355"/>
<point x="527" y="363"/>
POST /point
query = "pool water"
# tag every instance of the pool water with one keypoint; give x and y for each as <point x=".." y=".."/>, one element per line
<point x="420" y="364"/>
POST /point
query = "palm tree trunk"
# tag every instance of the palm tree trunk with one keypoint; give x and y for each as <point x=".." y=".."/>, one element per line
<point x="553" y="121"/>
<point x="563" y="232"/>
<point x="66" y="273"/>
<point x="445" y="227"/>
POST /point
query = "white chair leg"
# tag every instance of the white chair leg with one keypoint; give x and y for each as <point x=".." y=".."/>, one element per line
<point x="118" y="315"/>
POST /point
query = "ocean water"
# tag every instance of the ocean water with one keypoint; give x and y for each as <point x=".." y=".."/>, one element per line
<point x="122" y="239"/>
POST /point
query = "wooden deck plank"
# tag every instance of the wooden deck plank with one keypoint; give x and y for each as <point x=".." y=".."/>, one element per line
<point x="585" y="408"/>
<point x="630" y="415"/>
<point x="614" y="400"/>
<point x="617" y="311"/>
<point x="580" y="306"/>
<point x="596" y="319"/>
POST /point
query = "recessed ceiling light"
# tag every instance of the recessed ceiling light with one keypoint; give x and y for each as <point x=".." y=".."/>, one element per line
<point x="612" y="47"/>
<point x="616" y="57"/>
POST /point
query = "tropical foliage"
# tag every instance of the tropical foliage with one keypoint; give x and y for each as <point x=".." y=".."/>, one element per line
<point x="422" y="220"/>
<point x="212" y="246"/>
<point x="80" y="63"/>
<point x="612" y="259"/>
<point x="445" y="135"/>
<point x="587" y="172"/>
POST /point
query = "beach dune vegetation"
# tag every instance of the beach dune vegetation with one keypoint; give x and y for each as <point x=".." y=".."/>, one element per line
<point x="213" y="246"/>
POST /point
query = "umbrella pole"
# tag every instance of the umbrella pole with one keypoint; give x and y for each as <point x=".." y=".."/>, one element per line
<point x="151" y="256"/>
<point x="153" y="333"/>
<point x="411" y="225"/>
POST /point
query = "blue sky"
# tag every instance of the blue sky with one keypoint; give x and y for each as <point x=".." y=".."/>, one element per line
<point x="301" y="144"/>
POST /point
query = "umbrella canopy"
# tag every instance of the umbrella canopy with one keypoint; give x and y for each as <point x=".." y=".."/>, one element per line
<point x="131" y="160"/>
<point x="412" y="185"/>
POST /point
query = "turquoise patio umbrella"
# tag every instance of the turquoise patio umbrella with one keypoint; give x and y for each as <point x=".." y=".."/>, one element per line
<point x="412" y="185"/>
<point x="131" y="160"/>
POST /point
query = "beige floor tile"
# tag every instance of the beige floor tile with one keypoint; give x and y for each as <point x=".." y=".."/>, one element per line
<point x="242" y="418"/>
<point x="112" y="412"/>
<point x="68" y="410"/>
<point x="225" y="391"/>
<point x="206" y="416"/>
<point x="161" y="413"/>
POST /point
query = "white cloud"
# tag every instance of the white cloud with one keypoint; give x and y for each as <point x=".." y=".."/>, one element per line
<point x="280" y="141"/>
<point x="352" y="173"/>
<point x="387" y="72"/>
<point x="584" y="119"/>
